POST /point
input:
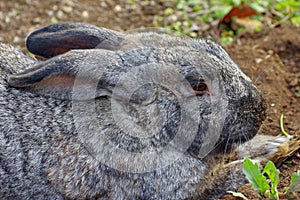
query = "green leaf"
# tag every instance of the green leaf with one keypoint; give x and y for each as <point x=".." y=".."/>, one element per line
<point x="180" y="4"/>
<point x="168" y="11"/>
<point x="197" y="8"/>
<point x="176" y="26"/>
<point x="54" y="20"/>
<point x="273" y="174"/>
<point x="236" y="2"/>
<point x="255" y="177"/>
<point x="193" y="2"/>
<point x="295" y="20"/>
<point x="294" y="4"/>
<point x="226" y="40"/>
<point x="257" y="7"/>
<point x="280" y="6"/>
<point x="295" y="182"/>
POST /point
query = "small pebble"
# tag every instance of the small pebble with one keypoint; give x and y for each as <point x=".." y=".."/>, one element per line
<point x="173" y="18"/>
<point x="258" y="60"/>
<point x="55" y="7"/>
<point x="293" y="82"/>
<point x="85" y="14"/>
<point x="50" y="13"/>
<point x="7" y="20"/>
<point x="289" y="113"/>
<point x="103" y="4"/>
<point x="268" y="56"/>
<point x="16" y="40"/>
<point x="36" y="20"/>
<point x="67" y="9"/>
<point x="69" y="3"/>
<point x="194" y="27"/>
<point x="117" y="8"/>
<point x="285" y="166"/>
<point x="60" y="14"/>
<point x="294" y="162"/>
<point x="185" y="23"/>
<point x="282" y="48"/>
<point x="203" y="27"/>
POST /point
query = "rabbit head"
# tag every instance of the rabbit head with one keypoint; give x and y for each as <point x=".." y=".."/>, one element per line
<point x="145" y="72"/>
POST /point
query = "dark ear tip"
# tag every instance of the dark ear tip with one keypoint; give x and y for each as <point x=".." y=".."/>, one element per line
<point x="22" y="80"/>
<point x="57" y="39"/>
<point x="45" y="42"/>
<point x="13" y="81"/>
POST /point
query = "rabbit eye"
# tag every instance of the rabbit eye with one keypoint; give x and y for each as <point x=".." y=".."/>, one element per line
<point x="199" y="87"/>
<point x="198" y="84"/>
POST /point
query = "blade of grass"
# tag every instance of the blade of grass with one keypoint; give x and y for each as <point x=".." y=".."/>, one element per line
<point x="281" y="126"/>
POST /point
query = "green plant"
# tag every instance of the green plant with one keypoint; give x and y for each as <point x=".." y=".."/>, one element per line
<point x="184" y="15"/>
<point x="257" y="179"/>
<point x="266" y="182"/>
<point x="290" y="9"/>
<point x="295" y="184"/>
<point x="227" y="37"/>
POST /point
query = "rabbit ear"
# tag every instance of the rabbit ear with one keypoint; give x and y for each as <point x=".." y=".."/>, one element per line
<point x="57" y="39"/>
<point x="56" y="77"/>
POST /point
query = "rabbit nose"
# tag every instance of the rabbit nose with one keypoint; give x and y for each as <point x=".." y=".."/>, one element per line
<point x="252" y="105"/>
<point x="257" y="103"/>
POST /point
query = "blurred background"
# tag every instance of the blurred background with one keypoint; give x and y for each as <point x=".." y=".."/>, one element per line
<point x="191" y="17"/>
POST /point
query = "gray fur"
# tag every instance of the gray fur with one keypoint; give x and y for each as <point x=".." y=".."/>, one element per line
<point x="42" y="156"/>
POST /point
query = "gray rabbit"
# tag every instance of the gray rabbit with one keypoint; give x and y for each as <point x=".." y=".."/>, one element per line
<point x="122" y="116"/>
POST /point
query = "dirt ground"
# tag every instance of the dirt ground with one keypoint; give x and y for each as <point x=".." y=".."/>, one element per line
<point x="270" y="57"/>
